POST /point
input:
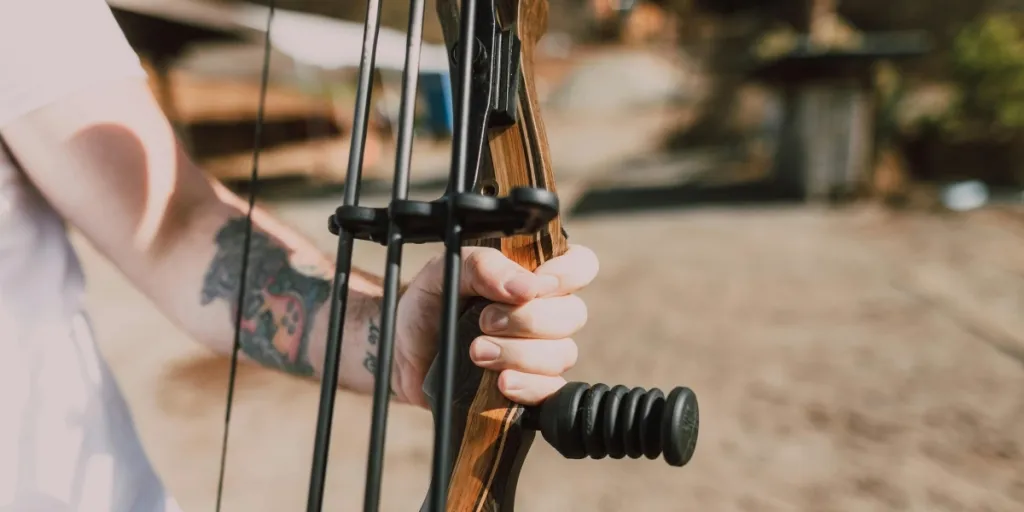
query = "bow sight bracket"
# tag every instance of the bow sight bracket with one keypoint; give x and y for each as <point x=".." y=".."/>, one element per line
<point x="495" y="89"/>
<point x="523" y="211"/>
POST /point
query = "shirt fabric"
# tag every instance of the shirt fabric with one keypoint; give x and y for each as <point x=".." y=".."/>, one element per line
<point x="67" y="440"/>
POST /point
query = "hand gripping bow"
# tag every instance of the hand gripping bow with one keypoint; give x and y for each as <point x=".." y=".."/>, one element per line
<point x="501" y="194"/>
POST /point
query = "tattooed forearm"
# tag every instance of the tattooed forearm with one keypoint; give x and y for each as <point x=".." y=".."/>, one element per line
<point x="370" y="360"/>
<point x="279" y="303"/>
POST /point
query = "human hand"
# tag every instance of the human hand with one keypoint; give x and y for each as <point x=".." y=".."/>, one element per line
<point x="531" y="345"/>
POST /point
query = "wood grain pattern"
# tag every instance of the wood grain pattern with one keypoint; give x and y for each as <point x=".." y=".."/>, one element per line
<point x="492" y="441"/>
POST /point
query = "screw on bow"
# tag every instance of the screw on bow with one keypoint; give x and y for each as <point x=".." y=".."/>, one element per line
<point x="501" y="194"/>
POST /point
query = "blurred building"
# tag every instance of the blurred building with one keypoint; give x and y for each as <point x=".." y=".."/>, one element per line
<point x="205" y="61"/>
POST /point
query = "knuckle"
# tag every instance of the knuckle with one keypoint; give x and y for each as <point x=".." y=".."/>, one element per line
<point x="473" y="262"/>
<point x="581" y="308"/>
<point x="572" y="315"/>
<point x="481" y="267"/>
<point x="484" y="257"/>
<point x="548" y="357"/>
<point x="589" y="256"/>
<point x="434" y="267"/>
<point x="429" y="279"/>
<point x="525" y="320"/>
<point x="510" y="380"/>
<point x="558" y="316"/>
<point x="572" y="354"/>
<point x="549" y="386"/>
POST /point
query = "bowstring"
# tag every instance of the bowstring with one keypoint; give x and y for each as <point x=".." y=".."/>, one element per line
<point x="240" y="307"/>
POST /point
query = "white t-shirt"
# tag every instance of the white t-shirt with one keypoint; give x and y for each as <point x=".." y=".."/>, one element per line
<point x="67" y="441"/>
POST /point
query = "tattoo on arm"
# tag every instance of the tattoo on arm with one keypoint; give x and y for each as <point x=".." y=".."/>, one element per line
<point x="280" y="301"/>
<point x="370" y="360"/>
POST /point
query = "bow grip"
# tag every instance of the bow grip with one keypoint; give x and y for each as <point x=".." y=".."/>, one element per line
<point x="489" y="437"/>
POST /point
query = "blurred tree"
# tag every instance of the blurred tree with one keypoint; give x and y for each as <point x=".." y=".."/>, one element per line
<point x="980" y="133"/>
<point x="942" y="25"/>
<point x="988" y="69"/>
<point x="721" y="33"/>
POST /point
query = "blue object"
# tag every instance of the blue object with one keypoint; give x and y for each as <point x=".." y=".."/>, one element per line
<point x="437" y="91"/>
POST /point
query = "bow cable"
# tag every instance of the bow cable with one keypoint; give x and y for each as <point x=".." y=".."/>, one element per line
<point x="253" y="179"/>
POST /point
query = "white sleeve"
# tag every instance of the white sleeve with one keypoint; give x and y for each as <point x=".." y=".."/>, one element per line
<point x="50" y="49"/>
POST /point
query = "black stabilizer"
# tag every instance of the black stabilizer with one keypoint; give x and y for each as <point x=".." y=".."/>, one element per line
<point x="583" y="421"/>
<point x="524" y="211"/>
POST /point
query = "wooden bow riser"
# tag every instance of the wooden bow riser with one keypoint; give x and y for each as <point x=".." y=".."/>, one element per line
<point x="489" y="432"/>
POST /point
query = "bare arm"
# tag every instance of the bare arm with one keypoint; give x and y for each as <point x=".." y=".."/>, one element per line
<point x="108" y="161"/>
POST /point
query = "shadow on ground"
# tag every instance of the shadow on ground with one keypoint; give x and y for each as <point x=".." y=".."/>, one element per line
<point x="681" y="196"/>
<point x="693" y="179"/>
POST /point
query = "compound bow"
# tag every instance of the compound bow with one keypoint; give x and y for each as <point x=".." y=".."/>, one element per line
<point x="501" y="194"/>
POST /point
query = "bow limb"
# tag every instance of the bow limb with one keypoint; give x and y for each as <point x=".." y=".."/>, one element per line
<point x="488" y="429"/>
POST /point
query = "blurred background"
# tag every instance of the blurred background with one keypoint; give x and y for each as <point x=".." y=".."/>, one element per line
<point x="808" y="211"/>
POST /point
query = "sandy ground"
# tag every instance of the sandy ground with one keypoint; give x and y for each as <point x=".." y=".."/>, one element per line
<point x="845" y="360"/>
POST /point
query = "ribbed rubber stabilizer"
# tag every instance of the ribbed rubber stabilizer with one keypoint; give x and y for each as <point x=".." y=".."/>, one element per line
<point x="596" y="421"/>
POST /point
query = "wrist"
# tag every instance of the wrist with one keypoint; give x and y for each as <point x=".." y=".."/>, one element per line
<point x="361" y="335"/>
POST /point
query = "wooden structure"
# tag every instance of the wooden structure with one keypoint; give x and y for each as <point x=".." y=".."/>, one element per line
<point x="305" y="133"/>
<point x="160" y="41"/>
<point x="824" y="70"/>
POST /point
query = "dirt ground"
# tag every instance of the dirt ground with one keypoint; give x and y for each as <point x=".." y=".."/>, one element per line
<point x="845" y="360"/>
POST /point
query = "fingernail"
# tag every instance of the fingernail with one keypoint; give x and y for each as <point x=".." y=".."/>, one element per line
<point x="495" y="320"/>
<point x="486" y="351"/>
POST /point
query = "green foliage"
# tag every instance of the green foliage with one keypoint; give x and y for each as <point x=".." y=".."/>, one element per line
<point x="988" y="68"/>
